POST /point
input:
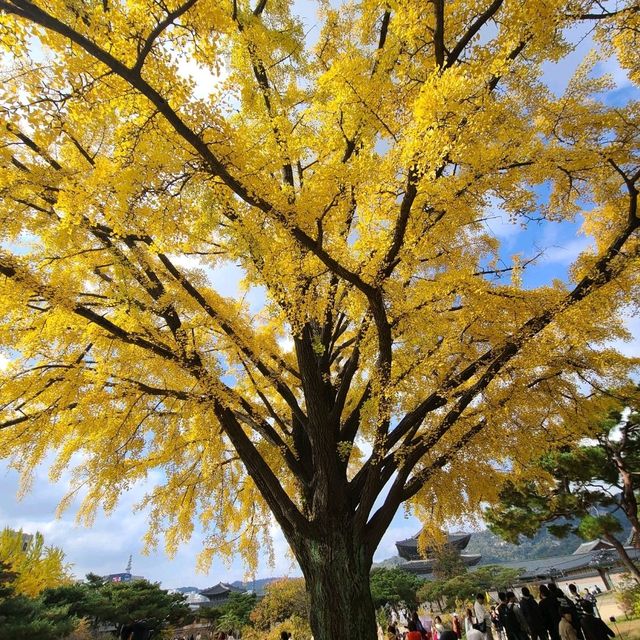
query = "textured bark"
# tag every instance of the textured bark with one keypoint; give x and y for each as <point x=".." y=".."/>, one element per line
<point x="608" y="585"/>
<point x="624" y="556"/>
<point x="629" y="502"/>
<point x="336" y="571"/>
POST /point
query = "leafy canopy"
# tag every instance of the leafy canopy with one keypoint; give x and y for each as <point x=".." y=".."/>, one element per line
<point x="282" y="600"/>
<point x="235" y="613"/>
<point x="466" y="586"/>
<point x="35" y="566"/>
<point x="447" y="562"/>
<point x="380" y="332"/>
<point x="597" y="473"/>
<point x="122" y="603"/>
<point x="393" y="586"/>
<point x="26" y="618"/>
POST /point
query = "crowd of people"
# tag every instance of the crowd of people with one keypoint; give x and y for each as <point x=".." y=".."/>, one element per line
<point x="553" y="616"/>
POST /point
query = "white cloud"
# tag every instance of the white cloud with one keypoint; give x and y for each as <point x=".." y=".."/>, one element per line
<point x="556" y="75"/>
<point x="631" y="347"/>
<point x="566" y="253"/>
<point x="206" y="81"/>
<point x="105" y="547"/>
<point x="612" y="67"/>
<point x="286" y="343"/>
<point x="500" y="224"/>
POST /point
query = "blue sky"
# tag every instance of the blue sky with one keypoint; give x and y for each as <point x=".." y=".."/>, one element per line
<point x="105" y="548"/>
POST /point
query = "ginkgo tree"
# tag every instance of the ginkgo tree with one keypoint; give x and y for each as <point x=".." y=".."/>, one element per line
<point x="35" y="566"/>
<point x="383" y="349"/>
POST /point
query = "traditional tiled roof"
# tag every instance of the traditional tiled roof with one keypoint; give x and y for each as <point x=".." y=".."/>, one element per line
<point x="408" y="548"/>
<point x="593" y="545"/>
<point x="220" y="589"/>
<point x="545" y="568"/>
<point x="424" y="567"/>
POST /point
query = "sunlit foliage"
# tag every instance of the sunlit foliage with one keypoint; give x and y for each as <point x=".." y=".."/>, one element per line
<point x="380" y="336"/>
<point x="36" y="567"/>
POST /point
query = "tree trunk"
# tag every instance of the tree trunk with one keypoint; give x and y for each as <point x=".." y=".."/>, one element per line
<point x="624" y="556"/>
<point x="604" y="575"/>
<point x="629" y="502"/>
<point x="336" y="572"/>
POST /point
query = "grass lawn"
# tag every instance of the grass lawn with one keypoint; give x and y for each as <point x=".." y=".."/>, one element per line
<point x="629" y="629"/>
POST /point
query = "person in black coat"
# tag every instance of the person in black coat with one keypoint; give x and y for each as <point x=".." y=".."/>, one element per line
<point x="531" y="613"/>
<point x="549" y="612"/>
<point x="592" y="627"/>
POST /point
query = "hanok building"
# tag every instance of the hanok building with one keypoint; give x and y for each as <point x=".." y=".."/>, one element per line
<point x="422" y="566"/>
<point x="219" y="594"/>
<point x="591" y="563"/>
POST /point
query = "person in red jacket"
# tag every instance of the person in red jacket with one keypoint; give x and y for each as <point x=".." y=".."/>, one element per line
<point x="413" y="633"/>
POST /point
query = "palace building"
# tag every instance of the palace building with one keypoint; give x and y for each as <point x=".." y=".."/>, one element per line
<point x="423" y="566"/>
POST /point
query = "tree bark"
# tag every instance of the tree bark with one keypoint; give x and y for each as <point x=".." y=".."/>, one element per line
<point x="608" y="585"/>
<point x="624" y="556"/>
<point x="336" y="569"/>
<point x="629" y="502"/>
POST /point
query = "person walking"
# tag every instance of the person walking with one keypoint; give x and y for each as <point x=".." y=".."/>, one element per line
<point x="566" y="628"/>
<point x="469" y="627"/>
<point x="517" y="626"/>
<point x="578" y="600"/>
<point x="591" y="598"/>
<point x="531" y="613"/>
<point x="549" y="612"/>
<point x="419" y="626"/>
<point x="456" y="627"/>
<point x="497" y="624"/>
<point x="567" y="603"/>
<point x="412" y="633"/>
<point x="483" y="619"/>
<point x="436" y="628"/>
<point x="592" y="627"/>
<point x="563" y="601"/>
<point x="501" y="612"/>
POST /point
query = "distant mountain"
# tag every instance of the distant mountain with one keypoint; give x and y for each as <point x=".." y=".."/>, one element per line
<point x="495" y="550"/>
<point x="258" y="586"/>
<point x="253" y="585"/>
<point x="542" y="545"/>
<point x="389" y="563"/>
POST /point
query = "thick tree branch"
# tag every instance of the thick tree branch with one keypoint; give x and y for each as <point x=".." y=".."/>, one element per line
<point x="147" y="45"/>
<point x="352" y="423"/>
<point x="400" y="492"/>
<point x="9" y="269"/>
<point x="262" y="78"/>
<point x="260" y="7"/>
<point x="496" y="358"/>
<point x="33" y="146"/>
<point x="142" y="273"/>
<point x="438" y="32"/>
<point x="272" y="376"/>
<point x="477" y="24"/>
<point x="283" y="508"/>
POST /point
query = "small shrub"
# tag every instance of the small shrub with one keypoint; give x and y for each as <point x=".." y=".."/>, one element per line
<point x="628" y="597"/>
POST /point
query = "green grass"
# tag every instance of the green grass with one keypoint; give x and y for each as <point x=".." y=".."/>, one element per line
<point x="629" y="629"/>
